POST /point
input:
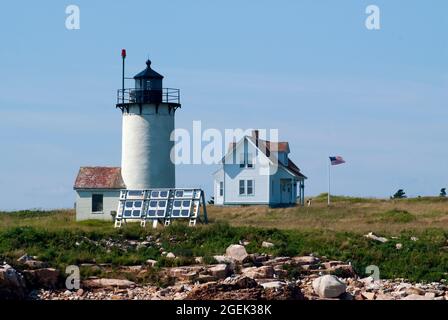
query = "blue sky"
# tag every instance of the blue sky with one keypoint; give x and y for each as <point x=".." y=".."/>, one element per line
<point x="309" y="68"/>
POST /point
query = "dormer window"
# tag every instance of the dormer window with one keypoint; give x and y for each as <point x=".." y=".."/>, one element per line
<point x="241" y="160"/>
<point x="250" y="163"/>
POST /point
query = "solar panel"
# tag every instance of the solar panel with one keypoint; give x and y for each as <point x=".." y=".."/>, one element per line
<point x="157" y="209"/>
<point x="160" y="204"/>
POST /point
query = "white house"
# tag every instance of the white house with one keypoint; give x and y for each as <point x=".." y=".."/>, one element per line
<point x="97" y="192"/>
<point x="256" y="171"/>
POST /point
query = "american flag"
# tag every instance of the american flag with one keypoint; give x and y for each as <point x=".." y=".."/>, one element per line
<point x="336" y="160"/>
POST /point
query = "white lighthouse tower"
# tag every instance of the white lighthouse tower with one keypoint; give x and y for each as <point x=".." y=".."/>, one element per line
<point x="148" y="112"/>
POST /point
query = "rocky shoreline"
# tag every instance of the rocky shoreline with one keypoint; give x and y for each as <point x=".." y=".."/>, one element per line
<point x="234" y="275"/>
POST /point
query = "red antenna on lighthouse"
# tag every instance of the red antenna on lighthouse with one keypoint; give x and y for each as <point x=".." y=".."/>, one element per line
<point x="123" y="56"/>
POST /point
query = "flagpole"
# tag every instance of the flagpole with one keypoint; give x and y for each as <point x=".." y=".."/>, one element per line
<point x="329" y="165"/>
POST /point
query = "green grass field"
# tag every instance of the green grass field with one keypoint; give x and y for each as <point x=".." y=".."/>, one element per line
<point x="335" y="232"/>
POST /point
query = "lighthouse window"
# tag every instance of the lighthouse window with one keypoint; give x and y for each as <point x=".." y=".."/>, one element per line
<point x="97" y="203"/>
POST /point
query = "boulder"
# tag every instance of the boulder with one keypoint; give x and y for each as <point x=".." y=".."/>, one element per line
<point x="12" y="283"/>
<point x="414" y="290"/>
<point x="199" y="260"/>
<point x="343" y="270"/>
<point x="273" y="284"/>
<point x="329" y="286"/>
<point x="305" y="260"/>
<point x="185" y="273"/>
<point x="430" y="295"/>
<point x="46" y="278"/>
<point x="219" y="271"/>
<point x="170" y="255"/>
<point x="417" y="297"/>
<point x="258" y="273"/>
<point x="258" y="259"/>
<point x="151" y="262"/>
<point x="237" y="252"/>
<point x="266" y="244"/>
<point x="278" y="261"/>
<point x="31" y="262"/>
<point x="368" y="295"/>
<point x="239" y="282"/>
<point x="107" y="283"/>
<point x="223" y="259"/>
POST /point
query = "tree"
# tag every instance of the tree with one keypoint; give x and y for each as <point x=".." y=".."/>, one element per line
<point x="400" y="194"/>
<point x="443" y="192"/>
<point x="211" y="201"/>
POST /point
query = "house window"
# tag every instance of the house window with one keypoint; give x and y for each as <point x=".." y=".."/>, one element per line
<point x="250" y="163"/>
<point x="241" y="160"/>
<point x="97" y="203"/>
<point x="250" y="187"/>
<point x="242" y="189"/>
<point x="221" y="188"/>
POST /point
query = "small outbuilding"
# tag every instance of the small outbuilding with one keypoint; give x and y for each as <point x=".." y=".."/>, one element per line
<point x="97" y="192"/>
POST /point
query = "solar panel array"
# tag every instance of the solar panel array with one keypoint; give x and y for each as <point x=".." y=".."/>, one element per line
<point x="160" y="205"/>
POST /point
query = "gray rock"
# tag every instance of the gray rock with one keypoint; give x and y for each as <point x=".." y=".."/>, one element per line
<point x="170" y="255"/>
<point x="306" y="260"/>
<point x="108" y="283"/>
<point x="329" y="286"/>
<point x="417" y="297"/>
<point x="266" y="244"/>
<point x="237" y="252"/>
<point x="273" y="284"/>
<point x="47" y="278"/>
<point x="258" y="273"/>
<point x="240" y="282"/>
<point x="151" y="262"/>
<point x="12" y="283"/>
<point x="223" y="259"/>
<point x="219" y="271"/>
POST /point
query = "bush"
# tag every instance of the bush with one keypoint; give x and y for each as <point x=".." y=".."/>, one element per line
<point x="400" y="194"/>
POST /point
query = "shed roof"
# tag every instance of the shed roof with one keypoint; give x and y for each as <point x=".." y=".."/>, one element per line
<point x="99" y="178"/>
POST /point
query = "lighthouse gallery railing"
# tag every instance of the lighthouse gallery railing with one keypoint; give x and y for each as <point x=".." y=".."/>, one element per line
<point x="133" y="95"/>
